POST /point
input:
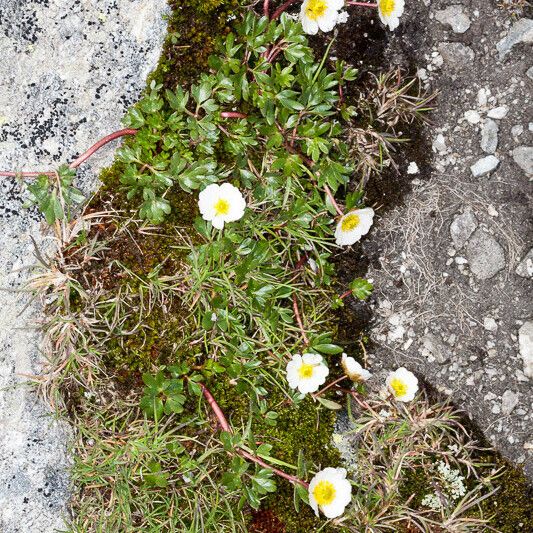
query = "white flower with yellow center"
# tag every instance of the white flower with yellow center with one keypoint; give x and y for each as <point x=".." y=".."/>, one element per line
<point x="306" y="372"/>
<point x="352" y="226"/>
<point x="320" y="14"/>
<point x="221" y="203"/>
<point x="330" y="492"/>
<point x="390" y="12"/>
<point x="402" y="384"/>
<point x="353" y="369"/>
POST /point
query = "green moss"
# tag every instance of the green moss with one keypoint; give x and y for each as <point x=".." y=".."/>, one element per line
<point x="300" y="427"/>
<point x="512" y="507"/>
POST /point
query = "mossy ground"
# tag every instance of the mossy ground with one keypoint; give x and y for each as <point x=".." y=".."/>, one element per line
<point x="193" y="28"/>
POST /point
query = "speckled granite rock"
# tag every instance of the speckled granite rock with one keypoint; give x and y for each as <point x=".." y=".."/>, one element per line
<point x="68" y="71"/>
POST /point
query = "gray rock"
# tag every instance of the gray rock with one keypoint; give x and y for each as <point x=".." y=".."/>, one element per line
<point x="462" y="227"/>
<point x="509" y="402"/>
<point x="485" y="255"/>
<point x="523" y="157"/>
<point x="433" y="347"/>
<point x="484" y="166"/>
<point x="525" y="268"/>
<point x="520" y="32"/>
<point x="529" y="73"/>
<point x="456" y="55"/>
<point x="498" y="112"/>
<point x="489" y="136"/>
<point x="454" y="16"/>
<point x="68" y="71"/>
<point x="525" y="343"/>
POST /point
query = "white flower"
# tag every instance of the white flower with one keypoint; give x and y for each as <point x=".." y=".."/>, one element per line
<point x="353" y="369"/>
<point x="342" y="17"/>
<point x="320" y="14"/>
<point x="330" y="492"/>
<point x="353" y="226"/>
<point x="306" y="372"/>
<point x="221" y="203"/>
<point x="390" y="12"/>
<point x="402" y="384"/>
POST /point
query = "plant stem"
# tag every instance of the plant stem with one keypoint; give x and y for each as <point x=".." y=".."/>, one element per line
<point x="224" y="424"/>
<point x="266" y="8"/>
<point x="282" y="8"/>
<point x="81" y="159"/>
<point x="299" y="319"/>
<point x="362" y="4"/>
<point x="347" y="293"/>
<point x="332" y="199"/>
<point x="233" y="114"/>
<point x="332" y="384"/>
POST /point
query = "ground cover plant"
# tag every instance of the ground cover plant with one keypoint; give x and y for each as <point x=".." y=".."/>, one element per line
<point x="192" y="313"/>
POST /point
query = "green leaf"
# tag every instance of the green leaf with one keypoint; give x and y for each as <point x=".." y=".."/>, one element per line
<point x="329" y="349"/>
<point x="329" y="404"/>
<point x="361" y="288"/>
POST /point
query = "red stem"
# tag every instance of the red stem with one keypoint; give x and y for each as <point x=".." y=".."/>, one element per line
<point x="81" y="159"/>
<point x="266" y="8"/>
<point x="347" y="293"/>
<point x="299" y="319"/>
<point x="233" y="114"/>
<point x="282" y="8"/>
<point x="332" y="199"/>
<point x="362" y="4"/>
<point x="226" y="427"/>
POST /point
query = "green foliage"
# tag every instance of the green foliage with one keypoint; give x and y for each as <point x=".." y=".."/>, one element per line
<point x="55" y="195"/>
<point x="268" y="73"/>
<point x="361" y="288"/>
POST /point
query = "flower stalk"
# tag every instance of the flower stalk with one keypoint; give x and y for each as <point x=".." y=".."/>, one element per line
<point x="224" y="424"/>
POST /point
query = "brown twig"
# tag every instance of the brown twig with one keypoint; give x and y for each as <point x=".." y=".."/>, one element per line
<point x="77" y="162"/>
<point x="224" y="424"/>
<point x="299" y="319"/>
<point x="327" y="387"/>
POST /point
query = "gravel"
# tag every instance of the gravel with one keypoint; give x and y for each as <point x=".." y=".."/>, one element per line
<point x="523" y="157"/>
<point x="484" y="166"/>
<point x="485" y="255"/>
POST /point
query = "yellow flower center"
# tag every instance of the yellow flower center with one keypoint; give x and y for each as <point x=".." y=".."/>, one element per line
<point x="316" y="9"/>
<point x="350" y="222"/>
<point x="222" y="207"/>
<point x="306" y="371"/>
<point x="324" y="492"/>
<point x="399" y="387"/>
<point x="387" y="6"/>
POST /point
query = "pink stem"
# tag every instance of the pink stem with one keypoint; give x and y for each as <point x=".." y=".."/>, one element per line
<point x="362" y="4"/>
<point x="266" y="8"/>
<point x="226" y="427"/>
<point x="299" y="319"/>
<point x="233" y="114"/>
<point x="82" y="158"/>
<point x="347" y="293"/>
<point x="282" y="8"/>
<point x="332" y="199"/>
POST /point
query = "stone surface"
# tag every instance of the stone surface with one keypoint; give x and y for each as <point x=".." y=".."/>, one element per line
<point x="462" y="227"/>
<point x="485" y="255"/>
<point x="456" y="55"/>
<point x="525" y="341"/>
<point x="489" y="136"/>
<point x="525" y="268"/>
<point x="520" y="32"/>
<point x="484" y="166"/>
<point x="523" y="157"/>
<point x="68" y="72"/>
<point x="498" y="112"/>
<point x="455" y="16"/>
<point x="426" y="283"/>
